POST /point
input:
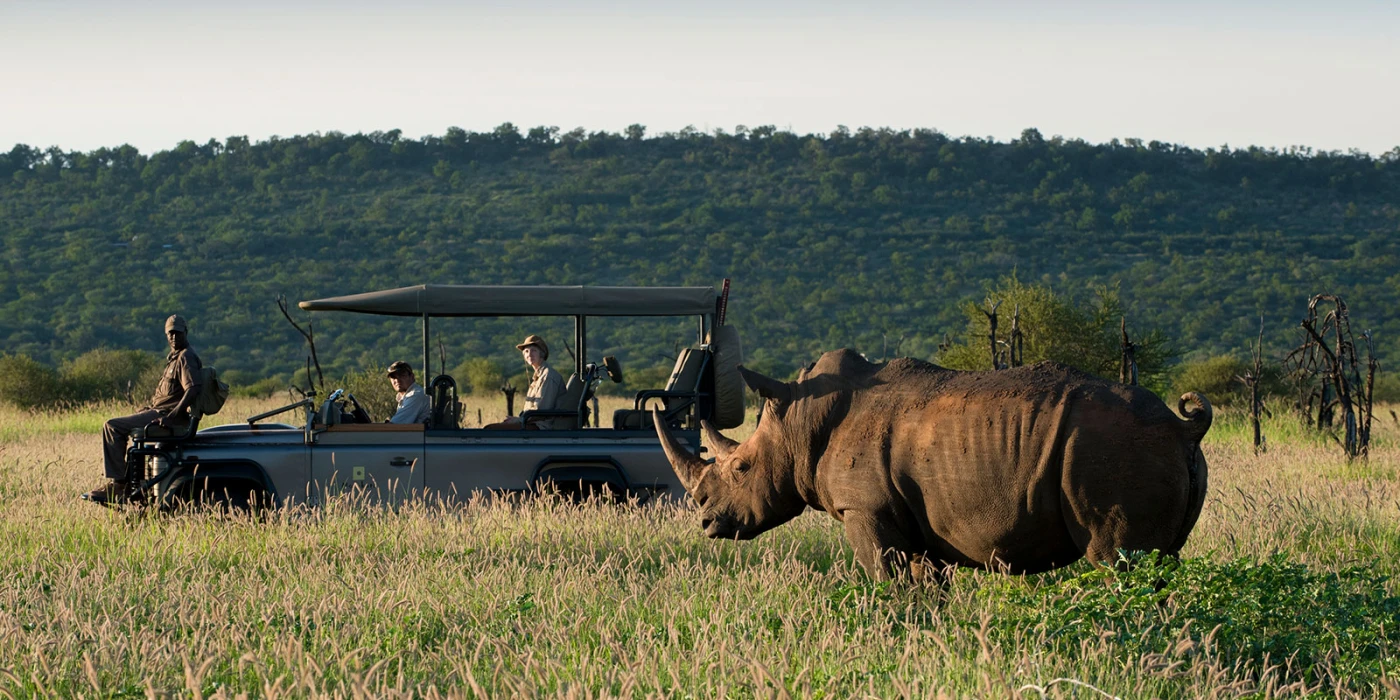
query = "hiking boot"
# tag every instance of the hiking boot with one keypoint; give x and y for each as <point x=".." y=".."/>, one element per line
<point x="109" y="494"/>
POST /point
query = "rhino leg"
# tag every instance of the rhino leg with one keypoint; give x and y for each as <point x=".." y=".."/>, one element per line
<point x="887" y="553"/>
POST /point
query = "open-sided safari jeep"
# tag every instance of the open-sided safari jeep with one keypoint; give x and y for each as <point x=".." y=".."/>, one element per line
<point x="318" y="453"/>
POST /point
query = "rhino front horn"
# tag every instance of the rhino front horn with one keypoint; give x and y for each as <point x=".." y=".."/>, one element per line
<point x="686" y="465"/>
<point x="767" y="387"/>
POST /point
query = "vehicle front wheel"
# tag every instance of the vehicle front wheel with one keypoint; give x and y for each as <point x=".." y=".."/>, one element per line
<point x="220" y="493"/>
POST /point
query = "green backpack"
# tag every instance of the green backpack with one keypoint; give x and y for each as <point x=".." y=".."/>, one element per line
<point x="213" y="393"/>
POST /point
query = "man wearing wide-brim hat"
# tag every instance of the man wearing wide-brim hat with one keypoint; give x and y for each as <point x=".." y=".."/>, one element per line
<point x="169" y="408"/>
<point x="545" y="387"/>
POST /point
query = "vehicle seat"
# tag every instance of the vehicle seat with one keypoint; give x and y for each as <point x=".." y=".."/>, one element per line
<point x="570" y="409"/>
<point x="447" y="410"/>
<point x="682" y="392"/>
<point x="156" y="432"/>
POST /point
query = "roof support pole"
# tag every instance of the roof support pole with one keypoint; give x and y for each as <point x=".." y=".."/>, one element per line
<point x="580" y="344"/>
<point x="427" y="369"/>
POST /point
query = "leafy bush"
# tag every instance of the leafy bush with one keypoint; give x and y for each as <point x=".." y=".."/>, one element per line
<point x="1214" y="377"/>
<point x="1240" y="611"/>
<point x="1056" y="328"/>
<point x="479" y="375"/>
<point x="109" y="374"/>
<point x="261" y="388"/>
<point x="372" y="389"/>
<point x="1387" y="389"/>
<point x="26" y="383"/>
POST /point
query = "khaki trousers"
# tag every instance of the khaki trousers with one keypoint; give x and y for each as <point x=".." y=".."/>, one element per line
<point x="114" y="436"/>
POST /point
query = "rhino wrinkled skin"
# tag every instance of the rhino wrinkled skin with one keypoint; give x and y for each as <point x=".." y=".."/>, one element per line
<point x="1020" y="470"/>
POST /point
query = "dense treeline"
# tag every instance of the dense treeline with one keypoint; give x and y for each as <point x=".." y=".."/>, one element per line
<point x="873" y="238"/>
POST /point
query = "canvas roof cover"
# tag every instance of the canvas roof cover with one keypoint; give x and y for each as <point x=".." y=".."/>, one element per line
<point x="483" y="300"/>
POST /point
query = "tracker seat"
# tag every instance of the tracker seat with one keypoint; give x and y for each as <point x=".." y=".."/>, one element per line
<point x="681" y="395"/>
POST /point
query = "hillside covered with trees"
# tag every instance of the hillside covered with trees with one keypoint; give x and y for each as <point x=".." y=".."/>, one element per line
<point x="873" y="239"/>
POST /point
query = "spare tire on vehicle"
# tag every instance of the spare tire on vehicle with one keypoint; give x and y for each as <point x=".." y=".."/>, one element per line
<point x="728" y="354"/>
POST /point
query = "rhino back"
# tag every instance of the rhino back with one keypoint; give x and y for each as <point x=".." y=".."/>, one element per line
<point x="985" y="465"/>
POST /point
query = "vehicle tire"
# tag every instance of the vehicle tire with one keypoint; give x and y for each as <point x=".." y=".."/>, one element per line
<point x="223" y="494"/>
<point x="729" y="384"/>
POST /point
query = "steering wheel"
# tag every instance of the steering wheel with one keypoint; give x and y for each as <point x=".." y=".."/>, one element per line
<point x="360" y="414"/>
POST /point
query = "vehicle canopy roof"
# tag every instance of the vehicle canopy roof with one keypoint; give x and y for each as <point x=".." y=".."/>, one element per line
<point x="486" y="300"/>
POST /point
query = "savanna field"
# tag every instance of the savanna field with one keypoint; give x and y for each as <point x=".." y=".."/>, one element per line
<point x="1285" y="589"/>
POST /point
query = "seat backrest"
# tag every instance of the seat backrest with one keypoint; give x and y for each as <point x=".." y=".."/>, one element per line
<point x="571" y="400"/>
<point x="446" y="408"/>
<point x="690" y="367"/>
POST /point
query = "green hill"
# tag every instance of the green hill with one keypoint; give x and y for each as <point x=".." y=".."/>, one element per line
<point x="851" y="239"/>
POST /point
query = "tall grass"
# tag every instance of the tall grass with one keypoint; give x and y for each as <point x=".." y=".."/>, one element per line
<point x="507" y="598"/>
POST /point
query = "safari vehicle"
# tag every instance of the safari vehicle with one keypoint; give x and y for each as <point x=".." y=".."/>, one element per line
<point x="321" y="450"/>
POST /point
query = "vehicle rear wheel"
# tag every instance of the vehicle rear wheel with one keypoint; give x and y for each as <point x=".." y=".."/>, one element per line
<point x="585" y="489"/>
<point x="729" y="384"/>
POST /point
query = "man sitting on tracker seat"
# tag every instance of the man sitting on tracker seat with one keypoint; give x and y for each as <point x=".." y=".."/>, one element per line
<point x="169" y="408"/>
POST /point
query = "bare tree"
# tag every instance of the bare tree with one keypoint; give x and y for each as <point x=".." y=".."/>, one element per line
<point x="310" y="336"/>
<point x="1127" y="363"/>
<point x="1251" y="380"/>
<point x="992" y="335"/>
<point x="1327" y="374"/>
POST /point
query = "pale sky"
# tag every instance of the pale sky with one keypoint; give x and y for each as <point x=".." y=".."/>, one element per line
<point x="82" y="74"/>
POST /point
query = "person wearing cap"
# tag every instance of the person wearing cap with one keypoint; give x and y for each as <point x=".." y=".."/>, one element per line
<point x="545" y="386"/>
<point x="169" y="407"/>
<point x="414" y="405"/>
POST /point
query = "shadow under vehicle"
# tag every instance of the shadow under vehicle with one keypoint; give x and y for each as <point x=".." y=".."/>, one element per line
<point x="322" y="451"/>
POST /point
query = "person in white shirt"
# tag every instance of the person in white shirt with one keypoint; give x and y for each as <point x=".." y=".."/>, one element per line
<point x="414" y="405"/>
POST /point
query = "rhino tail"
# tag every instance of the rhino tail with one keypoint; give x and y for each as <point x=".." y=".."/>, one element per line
<point x="1198" y="419"/>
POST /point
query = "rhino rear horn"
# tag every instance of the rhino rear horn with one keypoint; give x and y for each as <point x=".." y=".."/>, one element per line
<point x="686" y="465"/>
<point x="767" y="387"/>
<point x="721" y="444"/>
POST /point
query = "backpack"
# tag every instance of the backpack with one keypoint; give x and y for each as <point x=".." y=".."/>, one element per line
<point x="213" y="394"/>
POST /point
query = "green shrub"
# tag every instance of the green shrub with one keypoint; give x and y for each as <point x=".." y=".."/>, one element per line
<point x="479" y="375"/>
<point x="109" y="374"/>
<point x="1060" y="328"/>
<point x="372" y="389"/>
<point x="1249" y="613"/>
<point x="26" y="383"/>
<point x="1216" y="378"/>
<point x="1387" y="389"/>
<point x="261" y="388"/>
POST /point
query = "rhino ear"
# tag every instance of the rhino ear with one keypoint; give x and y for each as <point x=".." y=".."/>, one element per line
<point x="767" y="387"/>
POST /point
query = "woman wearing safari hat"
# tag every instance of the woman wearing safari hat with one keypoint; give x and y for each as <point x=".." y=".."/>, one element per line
<point x="545" y="386"/>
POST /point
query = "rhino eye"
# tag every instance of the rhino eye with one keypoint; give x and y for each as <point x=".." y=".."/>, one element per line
<point x="740" y="466"/>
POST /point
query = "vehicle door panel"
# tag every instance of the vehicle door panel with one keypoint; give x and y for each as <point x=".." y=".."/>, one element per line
<point x="387" y="465"/>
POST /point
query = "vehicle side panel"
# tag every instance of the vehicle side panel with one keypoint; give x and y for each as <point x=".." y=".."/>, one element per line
<point x="460" y="461"/>
<point x="282" y="454"/>
<point x="388" y="465"/>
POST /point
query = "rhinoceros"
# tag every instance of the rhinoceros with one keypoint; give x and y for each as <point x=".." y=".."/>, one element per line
<point x="1020" y="470"/>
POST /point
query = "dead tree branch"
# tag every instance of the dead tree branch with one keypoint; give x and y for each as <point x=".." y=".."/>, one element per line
<point x="310" y="336"/>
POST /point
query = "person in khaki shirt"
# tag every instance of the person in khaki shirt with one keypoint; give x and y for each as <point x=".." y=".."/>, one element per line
<point x="545" y="387"/>
<point x="169" y="408"/>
